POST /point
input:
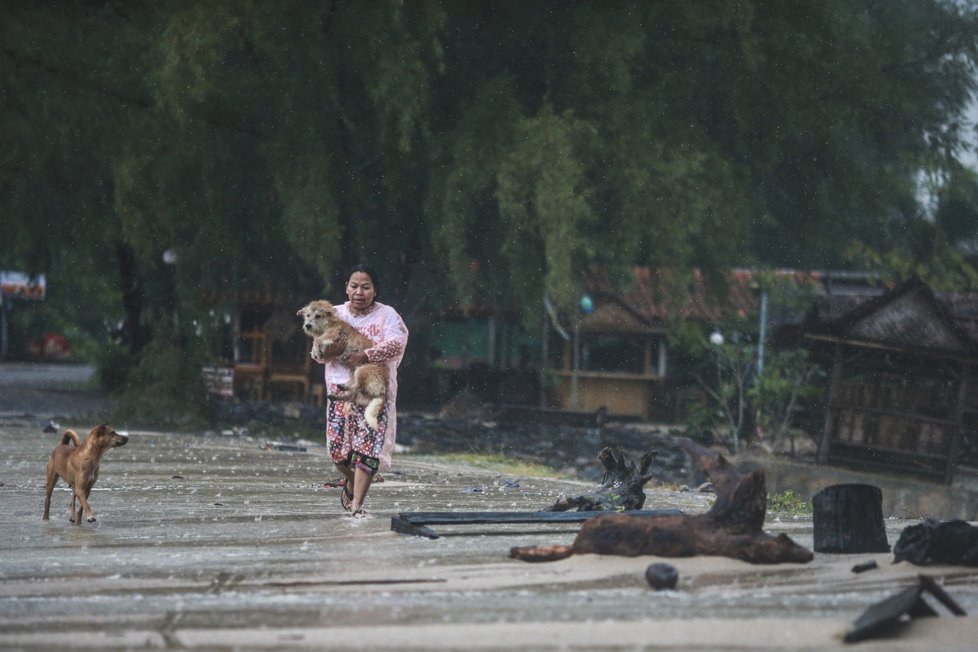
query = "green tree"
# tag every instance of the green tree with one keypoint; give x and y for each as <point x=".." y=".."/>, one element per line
<point x="476" y="151"/>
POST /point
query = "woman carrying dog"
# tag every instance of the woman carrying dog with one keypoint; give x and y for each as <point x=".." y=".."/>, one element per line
<point x="356" y="449"/>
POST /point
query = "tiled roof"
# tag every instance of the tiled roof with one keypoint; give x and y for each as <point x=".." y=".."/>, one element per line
<point x="660" y="295"/>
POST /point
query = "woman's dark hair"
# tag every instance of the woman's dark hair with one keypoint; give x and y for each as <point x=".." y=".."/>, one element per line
<point x="365" y="269"/>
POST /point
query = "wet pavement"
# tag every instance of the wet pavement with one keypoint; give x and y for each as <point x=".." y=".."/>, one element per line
<point x="221" y="542"/>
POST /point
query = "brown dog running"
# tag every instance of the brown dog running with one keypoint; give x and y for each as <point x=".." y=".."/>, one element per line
<point x="78" y="465"/>
<point x="333" y="338"/>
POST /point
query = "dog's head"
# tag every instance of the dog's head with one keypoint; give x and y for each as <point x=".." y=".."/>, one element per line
<point x="106" y="437"/>
<point x="316" y="317"/>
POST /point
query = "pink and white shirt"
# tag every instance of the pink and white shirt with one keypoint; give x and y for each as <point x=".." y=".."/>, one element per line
<point x="385" y="328"/>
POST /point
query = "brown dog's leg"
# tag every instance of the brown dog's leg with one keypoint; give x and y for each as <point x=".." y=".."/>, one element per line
<point x="83" y="505"/>
<point x="52" y="479"/>
<point x="74" y="509"/>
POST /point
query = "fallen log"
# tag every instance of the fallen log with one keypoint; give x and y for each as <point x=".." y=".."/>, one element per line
<point x="622" y="487"/>
<point x="732" y="527"/>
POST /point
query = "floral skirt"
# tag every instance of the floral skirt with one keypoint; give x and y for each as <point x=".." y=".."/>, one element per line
<point x="350" y="439"/>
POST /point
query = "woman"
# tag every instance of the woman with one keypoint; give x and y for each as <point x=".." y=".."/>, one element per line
<point x="356" y="449"/>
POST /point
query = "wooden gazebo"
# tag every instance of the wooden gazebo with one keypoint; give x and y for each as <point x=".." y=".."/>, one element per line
<point x="902" y="392"/>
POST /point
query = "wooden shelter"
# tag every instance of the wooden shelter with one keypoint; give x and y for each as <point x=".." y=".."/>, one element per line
<point x="615" y="360"/>
<point x="269" y="354"/>
<point x="903" y="389"/>
<point x="616" y="356"/>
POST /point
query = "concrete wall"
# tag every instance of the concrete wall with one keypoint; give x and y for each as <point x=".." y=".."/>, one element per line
<point x="902" y="497"/>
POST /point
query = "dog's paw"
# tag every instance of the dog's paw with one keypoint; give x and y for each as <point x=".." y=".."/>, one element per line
<point x="91" y="519"/>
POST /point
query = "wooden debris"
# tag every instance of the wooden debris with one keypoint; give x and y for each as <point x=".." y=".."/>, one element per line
<point x="865" y="566"/>
<point x="622" y="488"/>
<point x="732" y="527"/>
<point x="883" y="617"/>
<point x="415" y="523"/>
<point x="848" y="519"/>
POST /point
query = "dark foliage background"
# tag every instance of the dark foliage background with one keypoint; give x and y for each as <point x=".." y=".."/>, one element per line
<point x="477" y="152"/>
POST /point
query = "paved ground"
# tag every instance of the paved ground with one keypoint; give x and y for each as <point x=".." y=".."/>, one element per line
<point x="216" y="542"/>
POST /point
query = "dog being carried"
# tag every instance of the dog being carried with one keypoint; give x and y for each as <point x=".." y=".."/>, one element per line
<point x="334" y="339"/>
<point x="77" y="463"/>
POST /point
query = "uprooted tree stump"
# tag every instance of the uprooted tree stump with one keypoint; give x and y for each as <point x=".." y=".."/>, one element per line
<point x="622" y="488"/>
<point x="732" y="527"/>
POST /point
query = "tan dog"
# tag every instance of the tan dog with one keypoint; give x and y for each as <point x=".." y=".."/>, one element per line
<point x="334" y="339"/>
<point x="78" y="466"/>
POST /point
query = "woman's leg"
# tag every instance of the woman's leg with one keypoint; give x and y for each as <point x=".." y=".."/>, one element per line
<point x="338" y="444"/>
<point x="346" y="498"/>
<point x="365" y="445"/>
<point x="361" y="484"/>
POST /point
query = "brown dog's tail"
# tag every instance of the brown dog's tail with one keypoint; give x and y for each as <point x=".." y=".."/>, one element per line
<point x="70" y="437"/>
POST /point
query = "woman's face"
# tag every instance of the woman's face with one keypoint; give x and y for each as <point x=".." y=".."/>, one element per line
<point x="360" y="291"/>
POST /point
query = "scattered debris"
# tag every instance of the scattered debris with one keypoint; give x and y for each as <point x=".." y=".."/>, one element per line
<point x="510" y="414"/>
<point x="848" y="519"/>
<point x="865" y="566"/>
<point x="622" y="487"/>
<point x="661" y="576"/>
<point x="280" y="446"/>
<point x="415" y="523"/>
<point x="938" y="542"/>
<point x="883" y="617"/>
<point x="732" y="527"/>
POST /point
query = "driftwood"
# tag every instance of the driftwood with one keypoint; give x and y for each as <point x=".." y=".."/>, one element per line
<point x="622" y="488"/>
<point x="732" y="527"/>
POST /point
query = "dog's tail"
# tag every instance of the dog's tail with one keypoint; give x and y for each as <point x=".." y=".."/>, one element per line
<point x="70" y="437"/>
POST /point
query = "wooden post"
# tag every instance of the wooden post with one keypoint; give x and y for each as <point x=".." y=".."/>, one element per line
<point x="822" y="456"/>
<point x="957" y="433"/>
<point x="848" y="518"/>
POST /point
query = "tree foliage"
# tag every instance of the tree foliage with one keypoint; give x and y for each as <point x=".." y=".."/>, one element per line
<point x="476" y="151"/>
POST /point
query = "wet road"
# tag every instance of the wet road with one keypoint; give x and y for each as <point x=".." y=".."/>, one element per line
<point x="214" y="542"/>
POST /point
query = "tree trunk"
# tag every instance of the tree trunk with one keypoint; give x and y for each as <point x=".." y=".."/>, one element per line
<point x="732" y="527"/>
<point x="131" y="285"/>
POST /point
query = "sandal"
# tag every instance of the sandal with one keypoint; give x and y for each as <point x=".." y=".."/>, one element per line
<point x="360" y="513"/>
<point x="346" y="498"/>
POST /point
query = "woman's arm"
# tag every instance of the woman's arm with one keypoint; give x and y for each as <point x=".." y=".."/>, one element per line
<point x="393" y="342"/>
